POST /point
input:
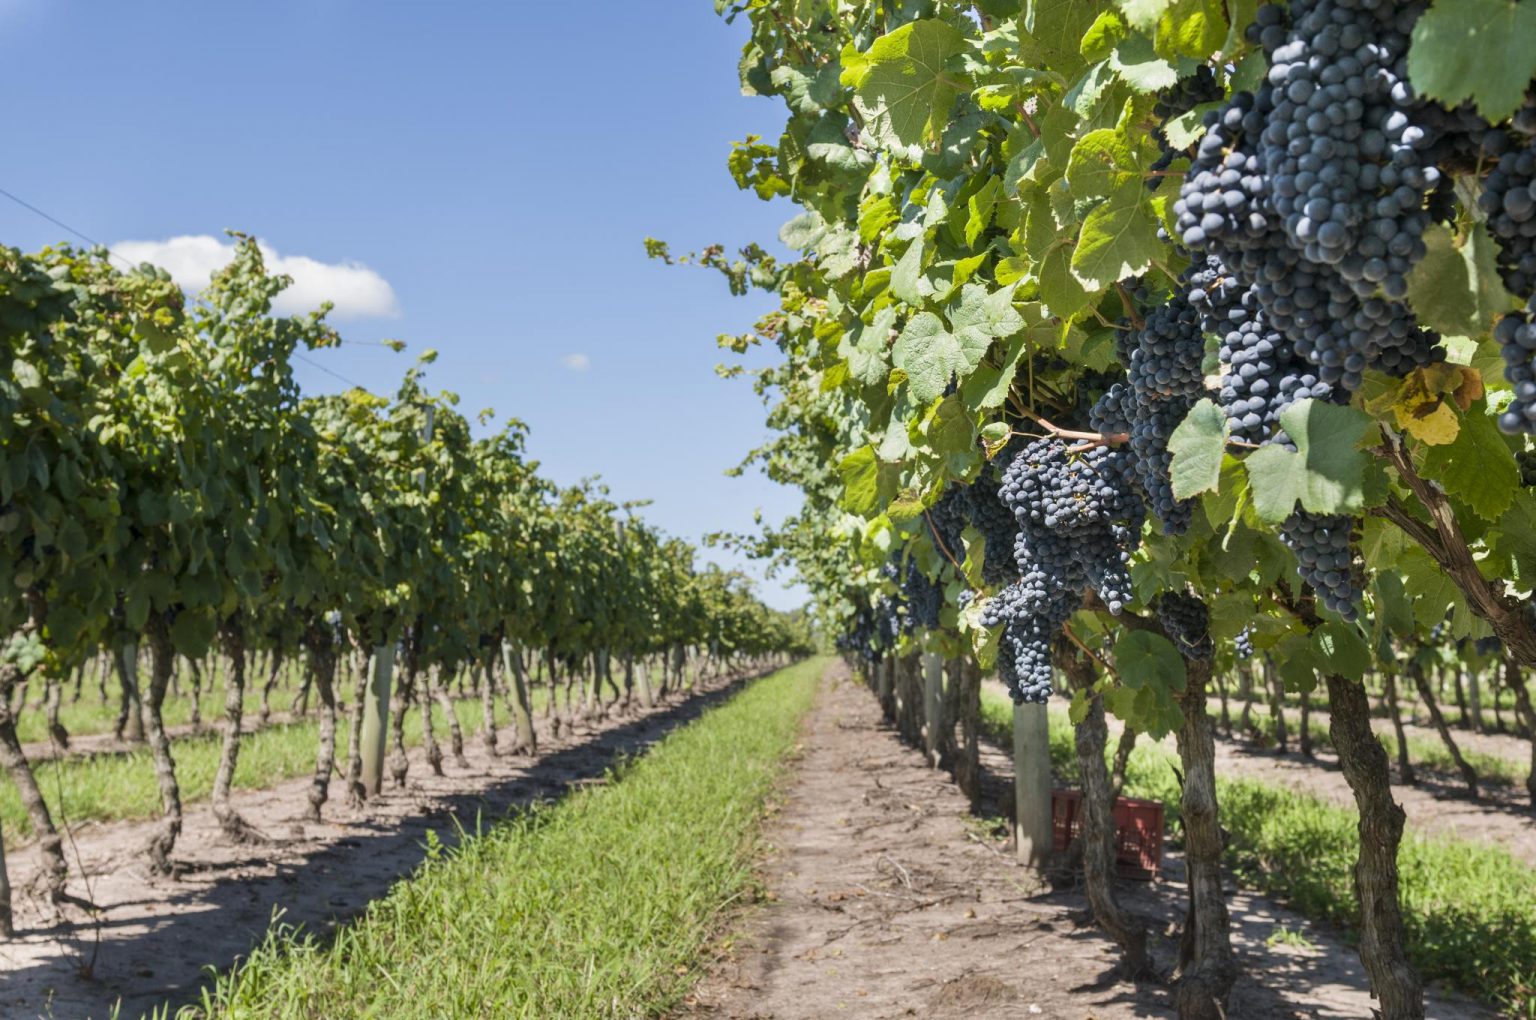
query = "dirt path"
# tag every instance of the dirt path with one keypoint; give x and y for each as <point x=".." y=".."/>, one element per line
<point x="156" y="934"/>
<point x="890" y="900"/>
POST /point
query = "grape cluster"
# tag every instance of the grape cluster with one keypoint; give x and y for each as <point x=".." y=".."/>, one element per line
<point x="1310" y="197"/>
<point x="1261" y="373"/>
<point x="1312" y="191"/>
<point x="1243" y="644"/>
<point x="1526" y="461"/>
<point x="1177" y="100"/>
<point x="1325" y="557"/>
<point x="1079" y="520"/>
<point x="1162" y="352"/>
<point x="872" y="631"/>
<point x="1490" y="645"/>
<point x="1516" y="336"/>
<point x="996" y="524"/>
<point x="1186" y="620"/>
<point x="946" y="523"/>
<point x="1111" y="414"/>
<point x="1509" y="199"/>
<point x="923" y="598"/>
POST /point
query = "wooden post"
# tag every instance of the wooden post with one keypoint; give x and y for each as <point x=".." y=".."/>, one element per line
<point x="381" y="671"/>
<point x="1032" y="784"/>
<point x="933" y="705"/>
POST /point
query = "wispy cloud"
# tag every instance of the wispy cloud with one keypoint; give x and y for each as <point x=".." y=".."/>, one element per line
<point x="576" y="362"/>
<point x="357" y="291"/>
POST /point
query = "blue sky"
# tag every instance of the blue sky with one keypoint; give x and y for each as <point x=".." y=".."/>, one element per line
<point x="475" y="177"/>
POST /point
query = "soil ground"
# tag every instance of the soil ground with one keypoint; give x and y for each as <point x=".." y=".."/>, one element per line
<point x="1511" y="747"/>
<point x="888" y="898"/>
<point x="156" y="935"/>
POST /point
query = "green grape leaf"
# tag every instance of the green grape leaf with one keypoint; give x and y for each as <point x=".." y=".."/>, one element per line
<point x="1455" y="288"/>
<point x="1295" y="662"/>
<point x="866" y="481"/>
<point x="907" y="276"/>
<point x="1077" y="711"/>
<point x="1118" y="239"/>
<point x="1053" y="32"/>
<point x="1139" y="66"/>
<point x="1101" y="162"/>
<point x="1482" y="50"/>
<point x="1341" y="650"/>
<point x="982" y="315"/>
<point x="1326" y="473"/>
<point x="987" y="387"/>
<point x="1393" y="610"/>
<point x="901" y="85"/>
<point x="1198" y="446"/>
<point x="1477" y="467"/>
<point x="979" y="209"/>
<point x="931" y="355"/>
<point x="1144" y="659"/>
<point x="1143" y="14"/>
<point x="193" y="632"/>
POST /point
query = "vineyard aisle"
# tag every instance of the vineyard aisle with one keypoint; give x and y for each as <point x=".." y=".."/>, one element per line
<point x="157" y="934"/>
<point x="888" y="900"/>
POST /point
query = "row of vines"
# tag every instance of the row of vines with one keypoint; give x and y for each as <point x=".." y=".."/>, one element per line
<point x="168" y="493"/>
<point x="1129" y="340"/>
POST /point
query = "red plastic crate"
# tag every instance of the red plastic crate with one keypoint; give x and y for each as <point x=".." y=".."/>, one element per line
<point x="1138" y="831"/>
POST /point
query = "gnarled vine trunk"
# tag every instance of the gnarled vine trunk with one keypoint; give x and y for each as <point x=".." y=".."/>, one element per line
<point x="1468" y="773"/>
<point x="14" y="759"/>
<point x="485" y="670"/>
<point x="130" y="713"/>
<point x="1404" y="766"/>
<point x="522" y="712"/>
<point x="1394" y="982"/>
<point x="437" y="691"/>
<point x="162" y="661"/>
<point x="1527" y="715"/>
<point x="1206" y="967"/>
<point x="1098" y="805"/>
<point x="356" y="791"/>
<point x="322" y="669"/>
<point x="235" y="827"/>
<point x="274" y="669"/>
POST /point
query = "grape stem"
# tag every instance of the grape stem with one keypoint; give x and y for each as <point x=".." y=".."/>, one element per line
<point x="934" y="531"/>
<point x="1093" y="438"/>
<point x="1110" y="670"/>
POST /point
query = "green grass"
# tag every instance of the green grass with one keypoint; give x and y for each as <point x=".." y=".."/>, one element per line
<point x="1469" y="910"/>
<point x="597" y="906"/>
<point x="109" y="787"/>
<point x="90" y="715"/>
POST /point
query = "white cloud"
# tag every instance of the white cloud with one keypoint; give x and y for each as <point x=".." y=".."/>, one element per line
<point x="357" y="291"/>
<point x="576" y="362"/>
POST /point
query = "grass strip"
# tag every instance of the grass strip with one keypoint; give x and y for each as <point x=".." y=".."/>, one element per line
<point x="116" y="786"/>
<point x="1469" y="910"/>
<point x="597" y="906"/>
